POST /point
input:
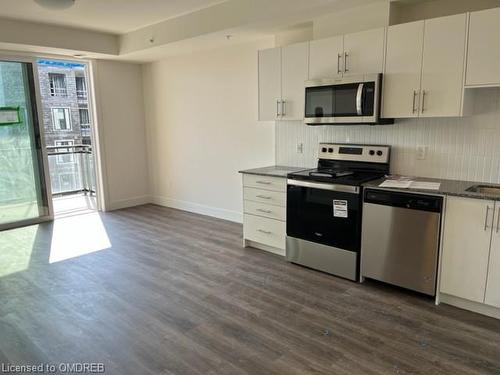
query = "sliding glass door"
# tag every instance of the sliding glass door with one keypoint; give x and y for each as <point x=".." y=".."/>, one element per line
<point x="23" y="193"/>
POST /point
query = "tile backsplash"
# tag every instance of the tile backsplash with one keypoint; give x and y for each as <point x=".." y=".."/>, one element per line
<point x="465" y="148"/>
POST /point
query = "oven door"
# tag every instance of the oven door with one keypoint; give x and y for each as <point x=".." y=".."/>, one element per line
<point x="324" y="213"/>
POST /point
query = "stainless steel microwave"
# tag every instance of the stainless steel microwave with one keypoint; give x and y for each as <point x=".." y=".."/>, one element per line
<point x="348" y="100"/>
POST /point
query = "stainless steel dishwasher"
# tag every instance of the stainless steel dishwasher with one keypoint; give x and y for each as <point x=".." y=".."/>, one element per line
<point x="400" y="239"/>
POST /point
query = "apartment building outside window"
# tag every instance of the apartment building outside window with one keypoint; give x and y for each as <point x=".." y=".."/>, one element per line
<point x="61" y="118"/>
<point x="65" y="158"/>
<point x="84" y="117"/>
<point x="81" y="87"/>
<point x="57" y="84"/>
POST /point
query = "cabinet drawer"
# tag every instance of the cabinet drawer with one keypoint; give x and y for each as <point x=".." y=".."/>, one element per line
<point x="265" y="231"/>
<point x="275" y="198"/>
<point x="267" y="210"/>
<point x="265" y="182"/>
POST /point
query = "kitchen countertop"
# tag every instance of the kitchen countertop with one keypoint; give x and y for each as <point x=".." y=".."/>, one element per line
<point x="448" y="187"/>
<point x="273" y="171"/>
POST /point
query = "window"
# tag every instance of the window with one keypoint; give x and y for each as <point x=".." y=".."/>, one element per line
<point x="57" y="84"/>
<point x="61" y="118"/>
<point x="84" y="117"/>
<point x="81" y="88"/>
<point x="64" y="157"/>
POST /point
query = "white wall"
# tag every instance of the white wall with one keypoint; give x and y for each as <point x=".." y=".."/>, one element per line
<point x="352" y="20"/>
<point x="201" y="119"/>
<point x="458" y="148"/>
<point x="120" y="112"/>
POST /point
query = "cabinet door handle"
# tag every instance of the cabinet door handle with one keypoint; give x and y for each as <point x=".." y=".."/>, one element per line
<point x="264" y="231"/>
<point x="263" y="196"/>
<point x="486" y="218"/>
<point x="423" y="100"/>
<point x="345" y="62"/>
<point x="264" y="211"/>
<point x="264" y="182"/>
<point x="283" y="108"/>
<point x="277" y="108"/>
<point x="339" y="56"/>
<point x="415" y="93"/>
<point x="498" y="221"/>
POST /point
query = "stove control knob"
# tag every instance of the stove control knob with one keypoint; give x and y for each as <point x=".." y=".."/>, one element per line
<point x="379" y="153"/>
<point x="330" y="149"/>
<point x="372" y="152"/>
<point x="323" y="149"/>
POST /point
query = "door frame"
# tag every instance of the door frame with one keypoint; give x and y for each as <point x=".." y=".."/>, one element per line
<point x="45" y="165"/>
<point x="97" y="144"/>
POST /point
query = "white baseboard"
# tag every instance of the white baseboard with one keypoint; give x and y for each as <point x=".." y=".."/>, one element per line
<point x="479" y="308"/>
<point x="202" y="209"/>
<point x="129" y="202"/>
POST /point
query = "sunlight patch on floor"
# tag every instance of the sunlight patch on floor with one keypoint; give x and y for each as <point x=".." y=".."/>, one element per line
<point x="16" y="247"/>
<point x="76" y="236"/>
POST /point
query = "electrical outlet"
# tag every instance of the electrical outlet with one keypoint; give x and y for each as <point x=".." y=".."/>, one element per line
<point x="421" y="152"/>
<point x="300" y="148"/>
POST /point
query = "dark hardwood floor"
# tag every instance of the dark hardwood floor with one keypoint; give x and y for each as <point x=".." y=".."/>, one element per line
<point x="161" y="291"/>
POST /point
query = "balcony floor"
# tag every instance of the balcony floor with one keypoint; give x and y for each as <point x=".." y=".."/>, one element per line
<point x="74" y="204"/>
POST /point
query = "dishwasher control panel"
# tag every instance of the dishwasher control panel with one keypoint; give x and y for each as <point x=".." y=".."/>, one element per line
<point x="404" y="200"/>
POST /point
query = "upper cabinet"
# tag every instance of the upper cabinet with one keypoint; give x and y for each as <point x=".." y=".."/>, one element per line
<point x="357" y="53"/>
<point x="402" y="70"/>
<point x="364" y="52"/>
<point x="325" y="58"/>
<point x="269" y="84"/>
<point x="294" y="68"/>
<point x="426" y="65"/>
<point x="282" y="72"/>
<point x="424" y="68"/>
<point x="443" y="66"/>
<point x="483" y="54"/>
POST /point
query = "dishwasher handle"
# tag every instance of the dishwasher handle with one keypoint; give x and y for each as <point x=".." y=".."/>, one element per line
<point x="404" y="200"/>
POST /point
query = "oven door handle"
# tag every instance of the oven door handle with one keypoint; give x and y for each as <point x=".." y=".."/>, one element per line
<point x="322" y="186"/>
<point x="359" y="98"/>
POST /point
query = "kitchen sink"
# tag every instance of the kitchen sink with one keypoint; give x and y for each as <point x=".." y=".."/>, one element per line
<point x="485" y="189"/>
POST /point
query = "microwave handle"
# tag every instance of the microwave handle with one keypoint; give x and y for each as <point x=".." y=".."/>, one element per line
<point x="359" y="98"/>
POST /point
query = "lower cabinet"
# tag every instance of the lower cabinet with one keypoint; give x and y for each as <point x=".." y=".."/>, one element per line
<point x="470" y="266"/>
<point x="264" y="206"/>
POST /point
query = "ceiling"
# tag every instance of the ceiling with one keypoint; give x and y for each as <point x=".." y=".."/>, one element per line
<point x="148" y="30"/>
<point x="113" y="16"/>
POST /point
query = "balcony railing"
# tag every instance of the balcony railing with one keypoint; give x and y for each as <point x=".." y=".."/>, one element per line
<point x="58" y="91"/>
<point x="81" y="94"/>
<point x="85" y="130"/>
<point x="71" y="169"/>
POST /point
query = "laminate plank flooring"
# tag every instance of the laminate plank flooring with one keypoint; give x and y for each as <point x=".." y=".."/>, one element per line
<point x="152" y="290"/>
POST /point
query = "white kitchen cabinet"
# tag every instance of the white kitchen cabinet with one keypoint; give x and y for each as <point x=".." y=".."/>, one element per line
<point x="282" y="73"/>
<point x="364" y="52"/>
<point x="483" y="54"/>
<point x="443" y="66"/>
<point x="493" y="282"/>
<point x="269" y="84"/>
<point x="264" y="207"/>
<point x="356" y="53"/>
<point x="294" y="72"/>
<point x="403" y="65"/>
<point x="424" y="68"/>
<point x="326" y="58"/>
<point x="466" y="247"/>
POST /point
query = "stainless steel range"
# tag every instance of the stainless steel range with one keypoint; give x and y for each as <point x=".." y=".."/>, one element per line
<point x="324" y="207"/>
